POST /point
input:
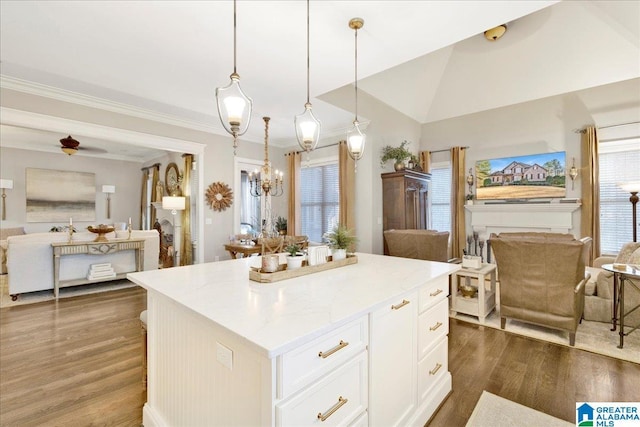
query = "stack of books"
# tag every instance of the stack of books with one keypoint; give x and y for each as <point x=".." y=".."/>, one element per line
<point x="101" y="271"/>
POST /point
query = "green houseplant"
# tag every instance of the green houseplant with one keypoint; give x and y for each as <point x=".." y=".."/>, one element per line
<point x="340" y="239"/>
<point x="295" y="258"/>
<point x="281" y="225"/>
<point x="398" y="154"/>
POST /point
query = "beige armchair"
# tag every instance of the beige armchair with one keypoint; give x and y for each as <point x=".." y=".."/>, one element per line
<point x="542" y="279"/>
<point x="429" y="245"/>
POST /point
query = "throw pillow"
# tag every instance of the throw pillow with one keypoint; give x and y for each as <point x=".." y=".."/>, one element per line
<point x="626" y="251"/>
<point x="604" y="285"/>
<point x="634" y="258"/>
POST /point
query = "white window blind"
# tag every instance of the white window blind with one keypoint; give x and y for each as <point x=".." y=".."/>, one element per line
<point x="441" y="197"/>
<point x="619" y="163"/>
<point x="320" y="200"/>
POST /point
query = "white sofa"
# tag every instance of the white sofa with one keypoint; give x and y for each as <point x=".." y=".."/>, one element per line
<point x="30" y="258"/>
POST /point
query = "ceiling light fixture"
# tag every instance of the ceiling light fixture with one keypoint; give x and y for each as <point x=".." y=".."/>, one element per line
<point x="234" y="107"/>
<point x="69" y="145"/>
<point x="261" y="182"/>
<point x="307" y="126"/>
<point x="355" y="137"/>
<point x="495" y="33"/>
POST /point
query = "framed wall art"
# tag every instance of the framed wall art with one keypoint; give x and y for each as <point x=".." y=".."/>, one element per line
<point x="56" y="196"/>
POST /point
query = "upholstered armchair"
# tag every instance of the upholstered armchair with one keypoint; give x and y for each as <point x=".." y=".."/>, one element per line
<point x="418" y="244"/>
<point x="542" y="279"/>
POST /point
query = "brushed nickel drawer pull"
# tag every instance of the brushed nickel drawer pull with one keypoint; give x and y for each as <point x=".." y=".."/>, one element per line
<point x="436" y="369"/>
<point x="436" y="326"/>
<point x="399" y="306"/>
<point x="334" y="408"/>
<point x="325" y="354"/>
<point x="433" y="294"/>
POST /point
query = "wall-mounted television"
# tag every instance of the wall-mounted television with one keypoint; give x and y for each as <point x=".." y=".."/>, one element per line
<point x="535" y="176"/>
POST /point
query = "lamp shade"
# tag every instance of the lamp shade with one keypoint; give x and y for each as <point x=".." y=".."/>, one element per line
<point x="173" y="203"/>
<point x="110" y="189"/>
<point x="630" y="187"/>
<point x="6" y="183"/>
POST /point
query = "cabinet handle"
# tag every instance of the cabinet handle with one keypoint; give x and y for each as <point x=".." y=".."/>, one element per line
<point x="334" y="408"/>
<point x="436" y="326"/>
<point x="433" y="294"/>
<point x="436" y="369"/>
<point x="399" y="306"/>
<point x="325" y="354"/>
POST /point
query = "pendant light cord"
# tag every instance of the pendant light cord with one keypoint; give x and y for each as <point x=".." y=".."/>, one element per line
<point x="308" y="66"/>
<point x="234" y="37"/>
<point x="356" y="73"/>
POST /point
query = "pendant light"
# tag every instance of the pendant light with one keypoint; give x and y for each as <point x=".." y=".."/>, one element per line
<point x="234" y="107"/>
<point x="306" y="124"/>
<point x="355" y="137"/>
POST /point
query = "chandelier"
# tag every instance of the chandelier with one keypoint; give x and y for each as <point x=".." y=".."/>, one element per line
<point x="234" y="107"/>
<point x="355" y="137"/>
<point x="265" y="182"/>
<point x="306" y="124"/>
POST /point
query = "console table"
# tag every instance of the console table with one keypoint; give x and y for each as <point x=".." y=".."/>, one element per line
<point x="93" y="248"/>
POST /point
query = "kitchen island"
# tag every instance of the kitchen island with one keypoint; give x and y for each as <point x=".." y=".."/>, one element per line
<point x="364" y="344"/>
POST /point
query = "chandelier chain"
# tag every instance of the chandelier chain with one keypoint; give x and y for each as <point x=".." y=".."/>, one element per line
<point x="234" y="37"/>
<point x="356" y="72"/>
<point x="308" y="62"/>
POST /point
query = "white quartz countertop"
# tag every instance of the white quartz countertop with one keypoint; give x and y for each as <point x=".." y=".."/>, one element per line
<point x="276" y="317"/>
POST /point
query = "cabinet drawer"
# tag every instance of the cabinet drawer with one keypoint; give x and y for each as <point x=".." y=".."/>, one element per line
<point x="433" y="292"/>
<point x="432" y="368"/>
<point x="433" y="324"/>
<point x="341" y="397"/>
<point x="303" y="365"/>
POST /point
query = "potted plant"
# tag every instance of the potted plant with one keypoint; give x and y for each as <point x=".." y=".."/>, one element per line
<point x="398" y="154"/>
<point x="281" y="225"/>
<point x="469" y="199"/>
<point x="340" y="239"/>
<point x="295" y="257"/>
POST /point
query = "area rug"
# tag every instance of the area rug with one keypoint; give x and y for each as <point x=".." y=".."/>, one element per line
<point x="40" y="296"/>
<point x="595" y="337"/>
<point x="494" y="411"/>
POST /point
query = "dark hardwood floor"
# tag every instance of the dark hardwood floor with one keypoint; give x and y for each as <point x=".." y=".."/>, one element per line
<point x="77" y="362"/>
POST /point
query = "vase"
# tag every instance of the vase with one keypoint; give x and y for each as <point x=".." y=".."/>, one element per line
<point x="398" y="166"/>
<point x="294" y="262"/>
<point x="337" y="254"/>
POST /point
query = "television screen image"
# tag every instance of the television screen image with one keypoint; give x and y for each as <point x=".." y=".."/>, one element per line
<point x="535" y="176"/>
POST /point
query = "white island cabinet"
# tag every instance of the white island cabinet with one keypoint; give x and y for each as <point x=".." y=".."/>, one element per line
<point x="360" y="345"/>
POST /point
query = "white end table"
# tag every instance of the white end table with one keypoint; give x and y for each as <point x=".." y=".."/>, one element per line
<point x="484" y="301"/>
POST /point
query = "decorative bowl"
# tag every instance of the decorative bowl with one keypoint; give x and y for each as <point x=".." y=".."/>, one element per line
<point x="468" y="291"/>
<point x="101" y="230"/>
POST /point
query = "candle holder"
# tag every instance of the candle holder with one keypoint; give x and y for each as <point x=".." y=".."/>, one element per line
<point x="129" y="231"/>
<point x="70" y="233"/>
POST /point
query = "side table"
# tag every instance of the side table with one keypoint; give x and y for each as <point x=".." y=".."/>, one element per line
<point x="620" y="278"/>
<point x="484" y="301"/>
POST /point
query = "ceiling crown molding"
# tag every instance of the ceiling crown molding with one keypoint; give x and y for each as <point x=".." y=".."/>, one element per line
<point x="12" y="83"/>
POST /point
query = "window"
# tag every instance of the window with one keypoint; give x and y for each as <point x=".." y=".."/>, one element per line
<point x="320" y="199"/>
<point x="619" y="162"/>
<point x="441" y="196"/>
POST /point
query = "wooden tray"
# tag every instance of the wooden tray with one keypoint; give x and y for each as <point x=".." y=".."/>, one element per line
<point x="282" y="274"/>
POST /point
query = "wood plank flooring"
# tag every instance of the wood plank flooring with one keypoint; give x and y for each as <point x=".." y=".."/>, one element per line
<point x="77" y="362"/>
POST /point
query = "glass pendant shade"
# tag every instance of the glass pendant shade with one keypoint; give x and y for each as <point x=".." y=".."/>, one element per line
<point x="234" y="107"/>
<point x="356" y="140"/>
<point x="307" y="129"/>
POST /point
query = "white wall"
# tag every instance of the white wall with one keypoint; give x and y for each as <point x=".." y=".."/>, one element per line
<point x="124" y="175"/>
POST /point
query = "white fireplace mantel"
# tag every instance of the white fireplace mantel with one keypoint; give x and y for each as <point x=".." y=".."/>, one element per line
<point x="541" y="217"/>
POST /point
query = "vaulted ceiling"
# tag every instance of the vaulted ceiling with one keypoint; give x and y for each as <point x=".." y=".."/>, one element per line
<point x="426" y="59"/>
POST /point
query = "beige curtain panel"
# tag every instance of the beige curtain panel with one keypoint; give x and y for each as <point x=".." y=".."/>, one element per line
<point x="293" y="217"/>
<point x="458" y="180"/>
<point x="154" y="184"/>
<point x="590" y="221"/>
<point x="425" y="161"/>
<point x="186" y="251"/>
<point x="143" y="197"/>
<point x="347" y="186"/>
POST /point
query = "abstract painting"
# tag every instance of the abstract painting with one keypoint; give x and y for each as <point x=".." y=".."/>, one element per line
<point x="57" y="196"/>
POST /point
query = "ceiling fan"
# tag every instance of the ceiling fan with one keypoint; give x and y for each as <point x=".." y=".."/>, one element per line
<point x="71" y="146"/>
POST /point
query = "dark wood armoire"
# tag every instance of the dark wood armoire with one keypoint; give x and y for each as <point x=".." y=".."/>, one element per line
<point x="405" y="200"/>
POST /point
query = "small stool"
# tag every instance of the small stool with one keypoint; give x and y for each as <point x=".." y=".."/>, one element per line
<point x="143" y="330"/>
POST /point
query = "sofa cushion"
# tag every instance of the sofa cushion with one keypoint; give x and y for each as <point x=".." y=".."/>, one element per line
<point x="13" y="231"/>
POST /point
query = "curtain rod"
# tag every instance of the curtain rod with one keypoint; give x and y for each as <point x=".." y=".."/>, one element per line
<point x="621" y="124"/>
<point x="149" y="167"/>
<point x="317" y="148"/>
<point x="446" y="149"/>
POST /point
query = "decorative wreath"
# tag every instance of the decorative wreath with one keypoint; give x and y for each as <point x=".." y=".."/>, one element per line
<point x="219" y="196"/>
